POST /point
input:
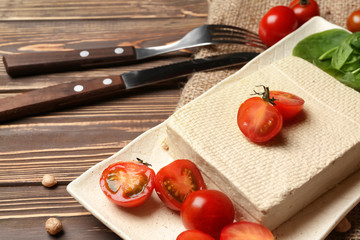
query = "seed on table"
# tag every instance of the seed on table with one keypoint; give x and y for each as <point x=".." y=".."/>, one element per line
<point x="53" y="226"/>
<point x="48" y="180"/>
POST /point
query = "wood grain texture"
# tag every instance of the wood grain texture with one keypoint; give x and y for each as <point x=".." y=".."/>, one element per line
<point x="23" y="216"/>
<point x="66" y="143"/>
<point x="94" y="9"/>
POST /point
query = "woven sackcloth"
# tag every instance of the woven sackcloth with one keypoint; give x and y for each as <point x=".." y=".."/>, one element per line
<point x="247" y="14"/>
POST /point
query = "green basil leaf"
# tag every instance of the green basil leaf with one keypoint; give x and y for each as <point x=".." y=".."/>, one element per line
<point x="351" y="80"/>
<point x="352" y="63"/>
<point x="315" y="45"/>
<point x="355" y="42"/>
<point x="342" y="53"/>
<point x="336" y="52"/>
<point x="328" y="54"/>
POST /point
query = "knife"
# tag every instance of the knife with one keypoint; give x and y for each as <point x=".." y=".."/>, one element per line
<point x="25" y="64"/>
<point x="73" y="93"/>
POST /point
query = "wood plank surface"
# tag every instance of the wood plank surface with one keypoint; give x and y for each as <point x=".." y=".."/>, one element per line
<point x="94" y="9"/>
<point x="66" y="143"/>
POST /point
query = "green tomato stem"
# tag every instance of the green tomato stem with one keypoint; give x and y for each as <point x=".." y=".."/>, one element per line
<point x="302" y="3"/>
<point x="266" y="95"/>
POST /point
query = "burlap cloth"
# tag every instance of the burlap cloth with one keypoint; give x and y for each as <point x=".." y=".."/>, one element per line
<point x="247" y="14"/>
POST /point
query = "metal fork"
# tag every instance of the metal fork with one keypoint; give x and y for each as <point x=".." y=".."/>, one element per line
<point x="205" y="35"/>
<point x="46" y="62"/>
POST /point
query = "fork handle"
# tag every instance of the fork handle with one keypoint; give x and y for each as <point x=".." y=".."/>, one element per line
<point x="23" y="64"/>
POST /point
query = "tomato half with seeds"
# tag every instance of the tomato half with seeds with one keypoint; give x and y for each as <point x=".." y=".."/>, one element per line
<point x="259" y="120"/>
<point x="245" y="231"/>
<point x="175" y="181"/>
<point x="128" y="184"/>
<point x="288" y="104"/>
<point x="194" y="235"/>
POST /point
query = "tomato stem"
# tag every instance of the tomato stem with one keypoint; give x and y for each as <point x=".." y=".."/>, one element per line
<point x="265" y="95"/>
<point x="302" y="3"/>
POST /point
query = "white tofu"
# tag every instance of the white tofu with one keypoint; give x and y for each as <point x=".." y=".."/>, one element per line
<point x="269" y="183"/>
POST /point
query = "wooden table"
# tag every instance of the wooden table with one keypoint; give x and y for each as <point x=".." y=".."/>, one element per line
<point x="66" y="143"/>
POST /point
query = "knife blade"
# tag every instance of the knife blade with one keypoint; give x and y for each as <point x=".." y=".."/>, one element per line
<point x="73" y="93"/>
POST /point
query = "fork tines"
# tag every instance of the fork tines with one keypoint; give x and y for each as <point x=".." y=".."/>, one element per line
<point x="232" y="34"/>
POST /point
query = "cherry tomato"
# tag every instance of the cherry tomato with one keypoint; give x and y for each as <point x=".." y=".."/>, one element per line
<point x="258" y="119"/>
<point x="208" y="211"/>
<point x="245" y="231"/>
<point x="175" y="181"/>
<point x="287" y="104"/>
<point x="128" y="184"/>
<point x="194" y="235"/>
<point x="278" y="22"/>
<point x="353" y="21"/>
<point x="304" y="10"/>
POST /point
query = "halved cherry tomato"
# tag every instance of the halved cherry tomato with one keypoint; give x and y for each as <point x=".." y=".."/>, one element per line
<point x="194" y="235"/>
<point x="278" y="22"/>
<point x="288" y="104"/>
<point x="353" y="21"/>
<point x="208" y="211"/>
<point x="245" y="231"/>
<point x="175" y="181"/>
<point x="127" y="184"/>
<point x="258" y="119"/>
<point x="304" y="10"/>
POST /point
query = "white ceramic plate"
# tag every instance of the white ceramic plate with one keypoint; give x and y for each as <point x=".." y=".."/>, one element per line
<point x="153" y="221"/>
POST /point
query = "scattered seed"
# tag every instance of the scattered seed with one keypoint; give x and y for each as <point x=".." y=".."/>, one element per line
<point x="164" y="145"/>
<point x="48" y="180"/>
<point x="53" y="226"/>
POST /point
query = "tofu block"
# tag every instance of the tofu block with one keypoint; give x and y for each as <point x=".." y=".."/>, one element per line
<point x="271" y="182"/>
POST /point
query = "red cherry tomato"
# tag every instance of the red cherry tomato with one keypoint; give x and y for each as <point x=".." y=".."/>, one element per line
<point x="278" y="22"/>
<point x="175" y="181"/>
<point x="258" y="119"/>
<point x="287" y="104"/>
<point x="208" y="211"/>
<point x="245" y="231"/>
<point x="194" y="235"/>
<point x="353" y="21"/>
<point x="304" y="10"/>
<point x="127" y="184"/>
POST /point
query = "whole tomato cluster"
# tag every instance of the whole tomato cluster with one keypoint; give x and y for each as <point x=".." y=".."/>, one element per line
<point x="207" y="214"/>
<point x="279" y="21"/>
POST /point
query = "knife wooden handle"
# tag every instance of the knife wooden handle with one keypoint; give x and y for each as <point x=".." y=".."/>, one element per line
<point x="58" y="96"/>
<point x="24" y="64"/>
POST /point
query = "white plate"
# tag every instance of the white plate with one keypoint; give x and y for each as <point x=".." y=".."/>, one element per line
<point x="153" y="221"/>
